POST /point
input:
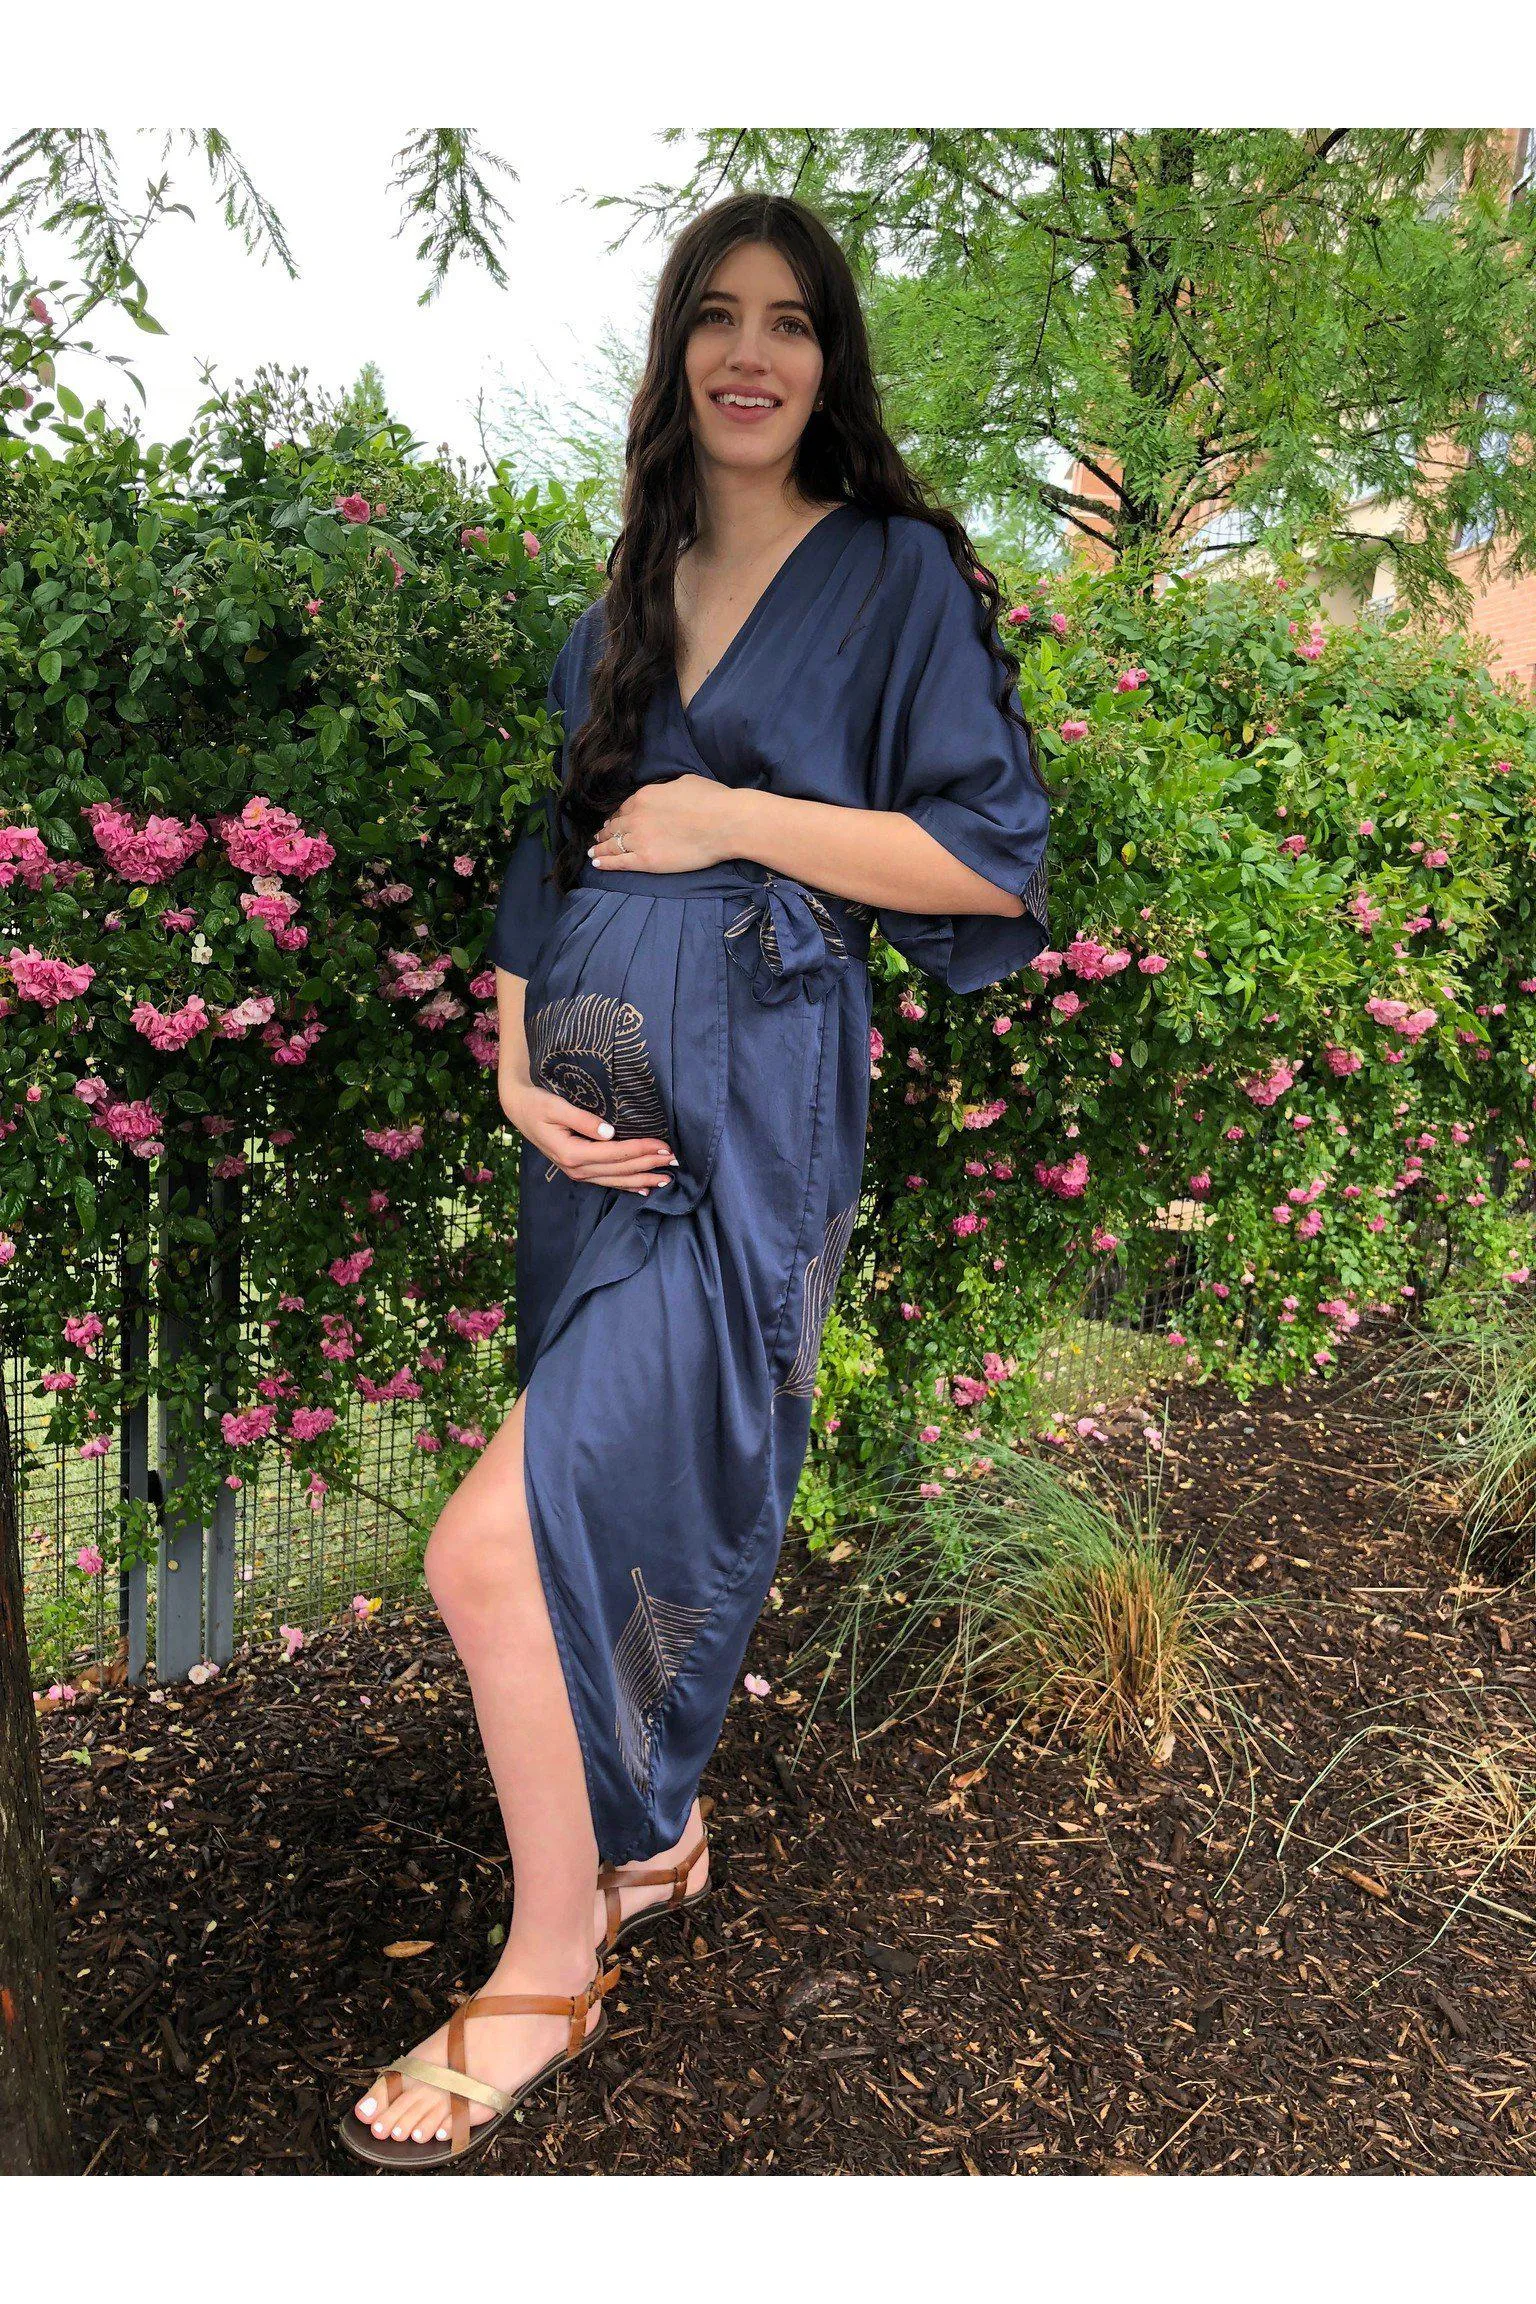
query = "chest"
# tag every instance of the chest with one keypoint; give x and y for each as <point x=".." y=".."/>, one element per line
<point x="712" y="608"/>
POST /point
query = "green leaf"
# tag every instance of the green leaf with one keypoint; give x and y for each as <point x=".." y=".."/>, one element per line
<point x="85" y="1204"/>
<point x="49" y="666"/>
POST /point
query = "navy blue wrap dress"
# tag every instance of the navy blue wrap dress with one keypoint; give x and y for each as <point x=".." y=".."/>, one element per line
<point x="668" y="1345"/>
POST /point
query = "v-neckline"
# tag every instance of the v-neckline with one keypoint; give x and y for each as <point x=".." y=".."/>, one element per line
<point x="753" y="613"/>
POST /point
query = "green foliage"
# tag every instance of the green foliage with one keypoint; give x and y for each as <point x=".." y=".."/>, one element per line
<point x="205" y="635"/>
<point x="1026" y="1141"/>
<point x="1264" y="321"/>
<point x="60" y="187"/>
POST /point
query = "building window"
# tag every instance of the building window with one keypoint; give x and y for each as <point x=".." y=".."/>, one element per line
<point x="1525" y="163"/>
<point x="1222" y="536"/>
<point x="1492" y="453"/>
<point x="1445" y="198"/>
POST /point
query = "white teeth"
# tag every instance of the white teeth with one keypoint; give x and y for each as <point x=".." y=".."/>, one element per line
<point x="743" y="400"/>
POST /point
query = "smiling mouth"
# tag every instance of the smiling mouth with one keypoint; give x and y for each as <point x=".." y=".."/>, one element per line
<point x="748" y="402"/>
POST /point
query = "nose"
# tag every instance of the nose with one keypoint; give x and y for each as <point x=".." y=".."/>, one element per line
<point x="749" y="352"/>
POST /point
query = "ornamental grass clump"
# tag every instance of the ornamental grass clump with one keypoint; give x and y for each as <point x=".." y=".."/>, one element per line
<point x="1474" y="1416"/>
<point x="1038" y="1593"/>
<point x="1449" y="1806"/>
<point x="1471" y="1811"/>
<point x="1102" y="1636"/>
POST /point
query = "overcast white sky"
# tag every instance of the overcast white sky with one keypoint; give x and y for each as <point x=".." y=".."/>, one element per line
<point x="355" y="299"/>
<point x="318" y="101"/>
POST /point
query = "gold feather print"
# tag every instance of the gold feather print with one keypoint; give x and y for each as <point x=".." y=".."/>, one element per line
<point x="820" y="1281"/>
<point x="589" y="1048"/>
<point x="649" y="1655"/>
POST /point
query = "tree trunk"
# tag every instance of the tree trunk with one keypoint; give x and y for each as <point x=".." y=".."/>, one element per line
<point x="34" y="2126"/>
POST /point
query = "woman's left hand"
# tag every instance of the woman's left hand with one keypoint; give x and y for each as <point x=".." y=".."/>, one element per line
<point x="680" y="825"/>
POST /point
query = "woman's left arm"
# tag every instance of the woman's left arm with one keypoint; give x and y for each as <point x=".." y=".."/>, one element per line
<point x="876" y="856"/>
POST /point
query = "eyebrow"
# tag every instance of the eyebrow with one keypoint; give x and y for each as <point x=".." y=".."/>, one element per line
<point x="780" y="304"/>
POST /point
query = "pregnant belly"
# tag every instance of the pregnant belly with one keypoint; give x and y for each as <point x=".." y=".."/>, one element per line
<point x="593" y="1048"/>
<point x="624" y="1015"/>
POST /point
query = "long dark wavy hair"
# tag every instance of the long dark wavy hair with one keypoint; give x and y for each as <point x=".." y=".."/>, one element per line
<point x="844" y="455"/>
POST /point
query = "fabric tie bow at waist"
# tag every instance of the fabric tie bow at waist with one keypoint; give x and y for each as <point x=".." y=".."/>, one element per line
<point x="787" y="941"/>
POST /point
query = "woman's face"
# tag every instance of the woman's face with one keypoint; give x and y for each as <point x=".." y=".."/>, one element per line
<point x="753" y="363"/>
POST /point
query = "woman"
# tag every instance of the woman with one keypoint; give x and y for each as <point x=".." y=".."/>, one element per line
<point x="789" y="713"/>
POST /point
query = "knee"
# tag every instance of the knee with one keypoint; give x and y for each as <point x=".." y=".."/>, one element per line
<point x="465" y="1561"/>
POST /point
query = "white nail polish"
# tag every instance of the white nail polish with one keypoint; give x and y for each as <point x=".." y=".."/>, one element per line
<point x="605" y="1128"/>
<point x="367" y="2109"/>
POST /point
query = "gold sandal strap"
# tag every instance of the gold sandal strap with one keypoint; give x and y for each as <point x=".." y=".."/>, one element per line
<point x="452" y="2083"/>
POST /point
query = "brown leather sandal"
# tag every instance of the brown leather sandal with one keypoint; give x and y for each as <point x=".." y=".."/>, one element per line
<point x="673" y="1876"/>
<point x="457" y="2083"/>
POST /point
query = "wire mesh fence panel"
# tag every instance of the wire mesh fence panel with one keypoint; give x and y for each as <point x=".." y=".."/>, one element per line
<point x="299" y="1558"/>
<point x="293" y="1557"/>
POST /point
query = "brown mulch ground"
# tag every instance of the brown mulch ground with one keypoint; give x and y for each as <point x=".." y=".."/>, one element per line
<point x="901" y="1973"/>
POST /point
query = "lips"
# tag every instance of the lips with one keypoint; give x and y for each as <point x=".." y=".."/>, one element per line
<point x="745" y="407"/>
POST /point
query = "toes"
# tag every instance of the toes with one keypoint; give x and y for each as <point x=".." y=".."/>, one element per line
<point x="397" y="2120"/>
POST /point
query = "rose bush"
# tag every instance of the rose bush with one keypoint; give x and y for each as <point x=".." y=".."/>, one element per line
<point x="268" y="713"/>
<point x="1292" y="979"/>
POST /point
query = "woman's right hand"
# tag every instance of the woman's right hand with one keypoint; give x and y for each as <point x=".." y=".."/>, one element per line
<point x="581" y="1145"/>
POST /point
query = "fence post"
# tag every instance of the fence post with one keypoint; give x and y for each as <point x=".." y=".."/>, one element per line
<point x="179" y="1578"/>
<point x="133" y="1457"/>
<point x="220" y="1610"/>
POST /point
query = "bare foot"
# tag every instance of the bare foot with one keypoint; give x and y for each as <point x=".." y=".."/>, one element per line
<point x="632" y="1900"/>
<point x="505" y="2050"/>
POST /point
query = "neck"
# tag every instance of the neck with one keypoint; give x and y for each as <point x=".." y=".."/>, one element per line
<point x="742" y="512"/>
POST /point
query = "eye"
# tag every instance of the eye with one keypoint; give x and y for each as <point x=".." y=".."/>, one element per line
<point x="712" y="312"/>
<point x="788" y="320"/>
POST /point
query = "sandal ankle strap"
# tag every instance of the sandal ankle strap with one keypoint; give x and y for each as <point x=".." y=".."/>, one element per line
<point x="673" y="1876"/>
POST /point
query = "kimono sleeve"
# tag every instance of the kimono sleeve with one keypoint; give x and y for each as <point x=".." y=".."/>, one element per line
<point x="956" y="763"/>
<point x="529" y="899"/>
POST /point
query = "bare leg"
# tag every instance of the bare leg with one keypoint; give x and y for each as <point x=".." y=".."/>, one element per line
<point x="483" y="1574"/>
